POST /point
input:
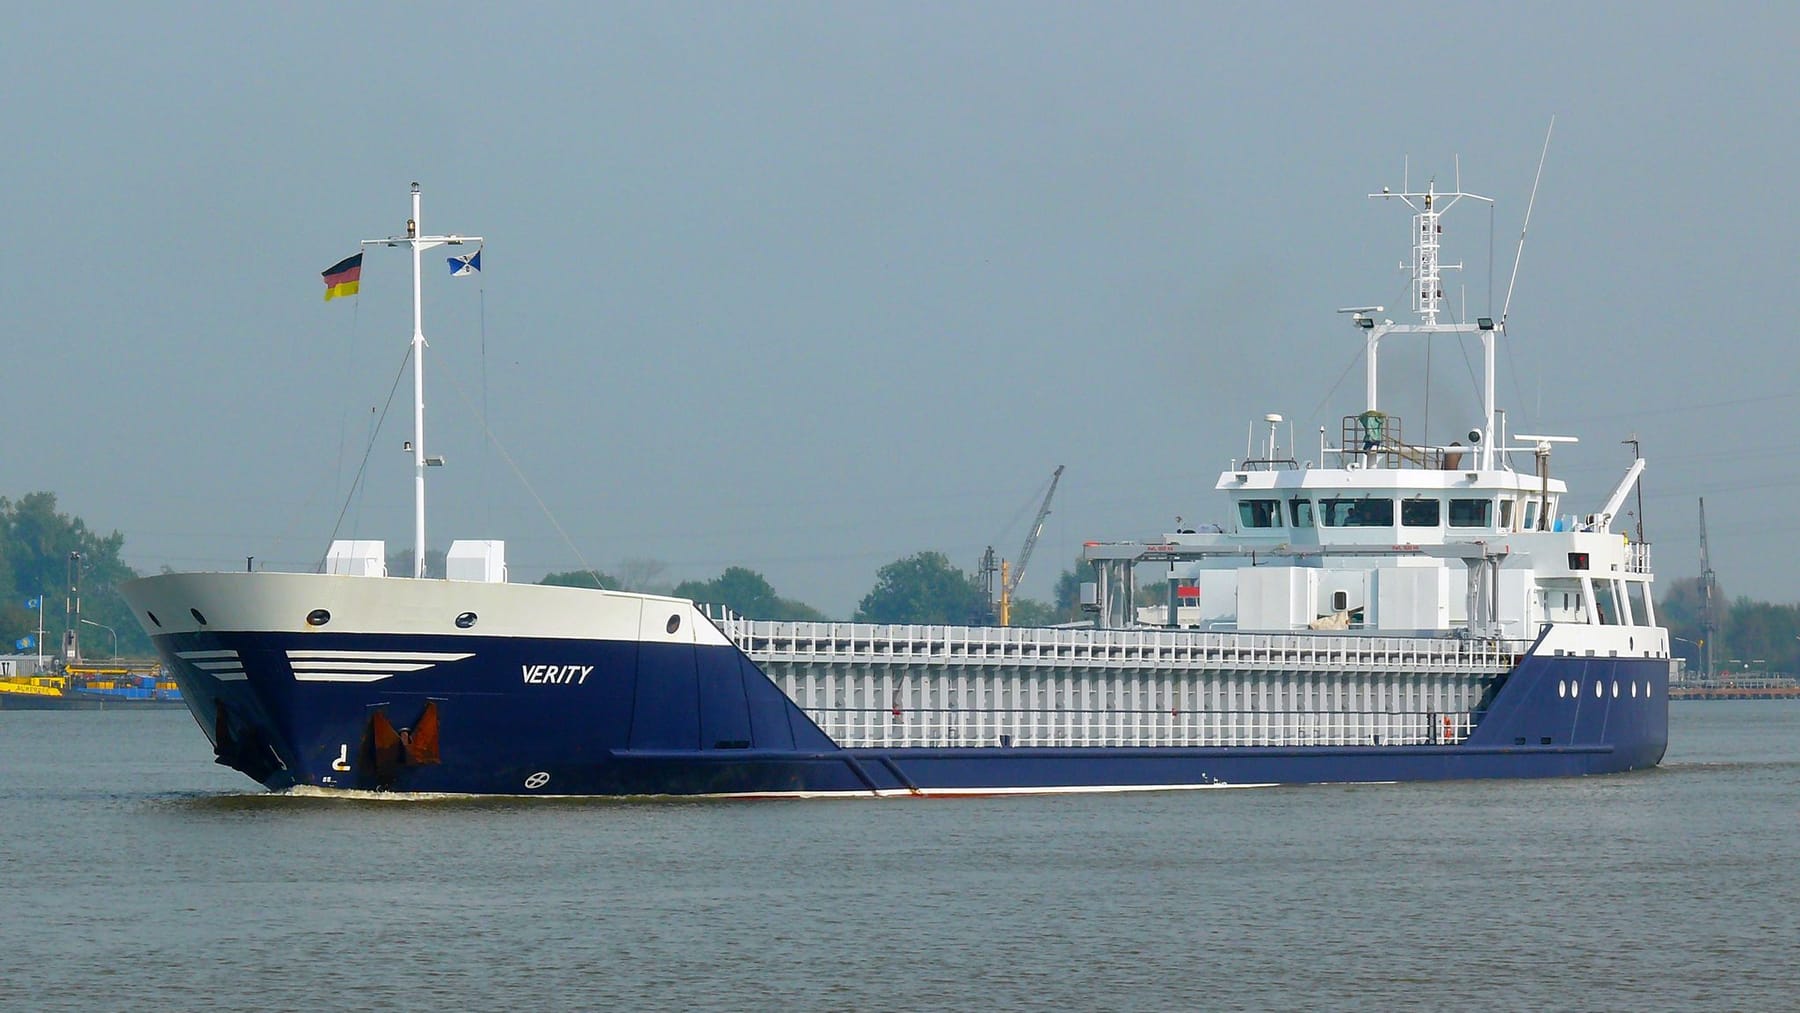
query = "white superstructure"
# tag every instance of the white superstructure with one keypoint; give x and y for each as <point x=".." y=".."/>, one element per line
<point x="1383" y="535"/>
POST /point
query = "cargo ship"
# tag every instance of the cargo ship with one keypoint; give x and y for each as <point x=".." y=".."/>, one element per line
<point x="87" y="687"/>
<point x="1385" y="610"/>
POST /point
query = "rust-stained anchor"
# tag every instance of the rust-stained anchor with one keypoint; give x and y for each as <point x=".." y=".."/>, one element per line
<point x="386" y="749"/>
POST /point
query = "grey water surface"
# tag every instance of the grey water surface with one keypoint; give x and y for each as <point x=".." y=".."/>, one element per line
<point x="134" y="874"/>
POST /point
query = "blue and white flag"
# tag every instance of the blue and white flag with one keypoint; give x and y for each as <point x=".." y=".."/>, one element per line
<point x="34" y="603"/>
<point x="465" y="265"/>
<point x="25" y="643"/>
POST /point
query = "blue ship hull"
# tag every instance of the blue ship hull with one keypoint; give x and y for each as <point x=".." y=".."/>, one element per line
<point x="664" y="719"/>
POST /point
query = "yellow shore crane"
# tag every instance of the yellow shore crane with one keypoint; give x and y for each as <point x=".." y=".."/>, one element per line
<point x="1010" y="575"/>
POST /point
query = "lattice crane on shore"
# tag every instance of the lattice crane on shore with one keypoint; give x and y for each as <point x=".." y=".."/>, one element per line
<point x="1011" y="575"/>
<point x="1709" y="605"/>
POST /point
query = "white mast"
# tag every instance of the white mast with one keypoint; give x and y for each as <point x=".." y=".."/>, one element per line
<point x="419" y="244"/>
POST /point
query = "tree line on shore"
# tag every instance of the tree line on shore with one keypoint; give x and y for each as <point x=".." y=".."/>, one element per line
<point x="48" y="561"/>
<point x="924" y="588"/>
<point x="1752" y="636"/>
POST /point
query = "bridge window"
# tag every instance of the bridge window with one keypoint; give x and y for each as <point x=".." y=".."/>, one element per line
<point x="1259" y="513"/>
<point x="1506" y="514"/>
<point x="1357" y="513"/>
<point x="1471" y="513"/>
<point x="1419" y="513"/>
<point x="1300" y="513"/>
<point x="1531" y="515"/>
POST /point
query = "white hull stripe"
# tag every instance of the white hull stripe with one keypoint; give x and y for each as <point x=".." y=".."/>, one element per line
<point x="310" y="791"/>
<point x="357" y="666"/>
<point x="224" y="671"/>
<point x="375" y="656"/>
<point x="977" y="792"/>
<point x="363" y="666"/>
<point x="224" y="666"/>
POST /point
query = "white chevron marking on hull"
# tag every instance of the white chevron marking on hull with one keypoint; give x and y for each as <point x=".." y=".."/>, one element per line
<point x="363" y="666"/>
<point x="377" y="655"/>
<point x="224" y="666"/>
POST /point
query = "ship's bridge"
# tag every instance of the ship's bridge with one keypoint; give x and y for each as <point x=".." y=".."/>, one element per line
<point x="1379" y="489"/>
<point x="1390" y="536"/>
<point x="1369" y="506"/>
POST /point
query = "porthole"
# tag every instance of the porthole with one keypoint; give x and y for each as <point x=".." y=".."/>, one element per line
<point x="674" y="623"/>
<point x="318" y="617"/>
<point x="197" y="616"/>
<point x="465" y="620"/>
<point x="153" y="619"/>
<point x="1615" y="689"/>
<point x="1562" y="689"/>
<point x="1634" y="691"/>
<point x="1597" y="693"/>
<point x="1646" y="689"/>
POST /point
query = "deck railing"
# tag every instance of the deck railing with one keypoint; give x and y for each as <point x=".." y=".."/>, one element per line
<point x="878" y="644"/>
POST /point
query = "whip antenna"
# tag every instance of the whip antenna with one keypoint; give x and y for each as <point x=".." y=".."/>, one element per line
<point x="1528" y="206"/>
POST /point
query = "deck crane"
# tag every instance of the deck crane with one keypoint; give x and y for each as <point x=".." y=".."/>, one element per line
<point x="1011" y="575"/>
<point x="1709" y="605"/>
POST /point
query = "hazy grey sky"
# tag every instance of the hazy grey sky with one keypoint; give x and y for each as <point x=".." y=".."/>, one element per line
<point x="809" y="287"/>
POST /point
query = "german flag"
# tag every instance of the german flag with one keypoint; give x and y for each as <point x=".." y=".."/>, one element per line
<point x="343" y="277"/>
